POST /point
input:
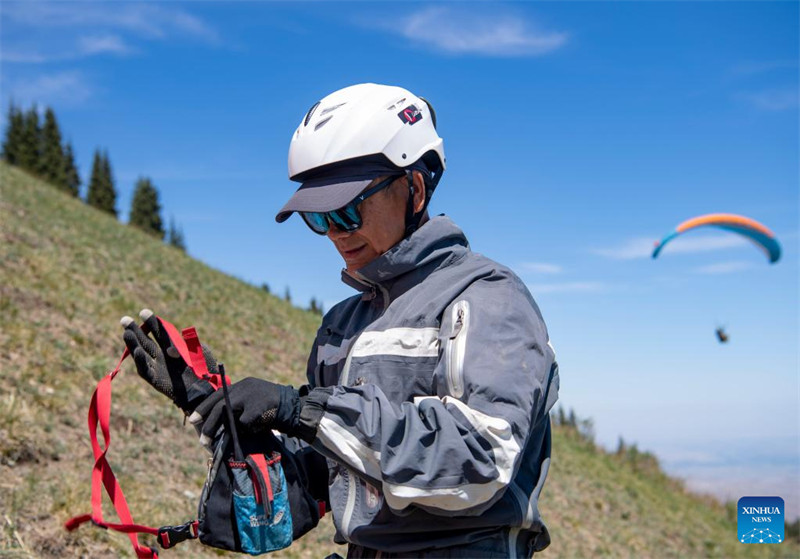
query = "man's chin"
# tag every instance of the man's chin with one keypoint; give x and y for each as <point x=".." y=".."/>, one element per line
<point x="356" y="265"/>
<point x="357" y="259"/>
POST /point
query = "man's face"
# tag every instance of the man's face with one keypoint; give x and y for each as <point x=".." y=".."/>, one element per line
<point x="383" y="217"/>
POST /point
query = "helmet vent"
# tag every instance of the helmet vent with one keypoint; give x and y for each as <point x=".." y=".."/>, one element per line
<point x="322" y="123"/>
<point x="395" y="104"/>
<point x="311" y="112"/>
<point x="331" y="109"/>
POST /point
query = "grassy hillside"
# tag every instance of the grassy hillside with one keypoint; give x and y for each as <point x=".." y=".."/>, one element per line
<point x="69" y="273"/>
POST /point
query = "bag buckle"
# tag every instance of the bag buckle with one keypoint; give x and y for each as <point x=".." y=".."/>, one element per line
<point x="169" y="536"/>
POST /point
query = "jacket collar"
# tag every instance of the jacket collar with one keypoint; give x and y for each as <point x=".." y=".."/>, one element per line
<point x="436" y="243"/>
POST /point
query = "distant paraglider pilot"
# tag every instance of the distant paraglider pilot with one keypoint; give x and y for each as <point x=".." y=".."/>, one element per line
<point x="722" y="336"/>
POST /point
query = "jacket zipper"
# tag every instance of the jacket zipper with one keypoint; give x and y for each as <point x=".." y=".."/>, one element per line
<point x="351" y="480"/>
<point x="374" y="286"/>
<point x="456" y="348"/>
<point x="349" y="477"/>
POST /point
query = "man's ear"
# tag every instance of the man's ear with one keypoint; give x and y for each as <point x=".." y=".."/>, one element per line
<point x="419" y="191"/>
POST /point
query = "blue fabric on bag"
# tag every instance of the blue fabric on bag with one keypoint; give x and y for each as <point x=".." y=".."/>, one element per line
<point x="260" y="531"/>
<point x="249" y="504"/>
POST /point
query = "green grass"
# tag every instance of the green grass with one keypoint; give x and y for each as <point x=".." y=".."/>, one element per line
<point x="69" y="273"/>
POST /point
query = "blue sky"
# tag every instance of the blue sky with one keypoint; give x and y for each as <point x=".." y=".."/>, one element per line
<point x="576" y="135"/>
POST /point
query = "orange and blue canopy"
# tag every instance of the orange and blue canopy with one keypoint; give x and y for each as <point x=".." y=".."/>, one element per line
<point x="750" y="228"/>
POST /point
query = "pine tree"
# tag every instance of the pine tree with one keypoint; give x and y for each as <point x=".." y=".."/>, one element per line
<point x="315" y="307"/>
<point x="30" y="142"/>
<point x="14" y="133"/>
<point x="287" y="296"/>
<point x="175" y="235"/>
<point x="145" y="208"/>
<point x="95" y="180"/>
<point x="52" y="167"/>
<point x="72" y="179"/>
<point x="108" y="176"/>
<point x="101" y="193"/>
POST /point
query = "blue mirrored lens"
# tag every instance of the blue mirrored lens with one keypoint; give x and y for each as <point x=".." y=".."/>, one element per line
<point x="351" y="211"/>
<point x="316" y="221"/>
<point x="347" y="218"/>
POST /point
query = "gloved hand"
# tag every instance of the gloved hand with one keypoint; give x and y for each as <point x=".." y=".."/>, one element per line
<point x="160" y="364"/>
<point x="258" y="405"/>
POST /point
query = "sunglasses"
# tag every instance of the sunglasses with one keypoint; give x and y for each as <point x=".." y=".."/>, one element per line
<point x="347" y="218"/>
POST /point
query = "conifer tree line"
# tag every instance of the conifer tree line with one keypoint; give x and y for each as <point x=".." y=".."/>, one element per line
<point x="38" y="148"/>
<point x="101" y="193"/>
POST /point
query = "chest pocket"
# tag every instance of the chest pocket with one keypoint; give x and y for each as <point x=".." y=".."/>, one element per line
<point x="455" y="347"/>
<point x="400" y="361"/>
<point x="331" y="356"/>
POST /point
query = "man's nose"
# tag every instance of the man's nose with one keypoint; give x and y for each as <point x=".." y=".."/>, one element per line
<point x="334" y="232"/>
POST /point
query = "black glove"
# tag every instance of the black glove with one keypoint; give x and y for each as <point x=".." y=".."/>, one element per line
<point x="258" y="405"/>
<point x="160" y="364"/>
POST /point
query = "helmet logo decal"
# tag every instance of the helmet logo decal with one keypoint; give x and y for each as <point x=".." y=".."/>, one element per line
<point x="410" y="114"/>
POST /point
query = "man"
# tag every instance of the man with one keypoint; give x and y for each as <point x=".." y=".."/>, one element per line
<point x="429" y="391"/>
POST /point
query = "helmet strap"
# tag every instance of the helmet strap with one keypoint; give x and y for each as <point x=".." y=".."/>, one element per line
<point x="412" y="219"/>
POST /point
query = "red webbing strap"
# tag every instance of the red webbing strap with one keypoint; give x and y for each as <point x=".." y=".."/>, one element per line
<point x="103" y="476"/>
<point x="188" y="345"/>
<point x="179" y="343"/>
<point x="259" y="470"/>
<point x="198" y="360"/>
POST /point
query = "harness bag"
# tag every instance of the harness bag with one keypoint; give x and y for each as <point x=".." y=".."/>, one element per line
<point x="255" y="498"/>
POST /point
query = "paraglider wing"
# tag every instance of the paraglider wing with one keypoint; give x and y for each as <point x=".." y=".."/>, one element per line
<point x="750" y="228"/>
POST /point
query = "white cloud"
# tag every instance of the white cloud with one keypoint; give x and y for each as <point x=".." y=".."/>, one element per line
<point x="566" y="287"/>
<point x="643" y="248"/>
<point x="747" y="69"/>
<point x="630" y="250"/>
<point x="540" y="268"/>
<point x="75" y="48"/>
<point x="63" y="88"/>
<point x="484" y="32"/>
<point x="148" y="19"/>
<point x="12" y="55"/>
<point x="723" y="268"/>
<point x="773" y="99"/>
<point x="98" y="44"/>
<point x="92" y="28"/>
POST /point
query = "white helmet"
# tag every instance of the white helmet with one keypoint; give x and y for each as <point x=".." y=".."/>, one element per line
<point x="356" y="134"/>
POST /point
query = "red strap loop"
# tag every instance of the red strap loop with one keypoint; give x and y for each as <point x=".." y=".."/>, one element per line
<point x="102" y="474"/>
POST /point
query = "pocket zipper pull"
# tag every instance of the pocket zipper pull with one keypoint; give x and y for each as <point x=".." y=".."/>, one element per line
<point x="459" y="324"/>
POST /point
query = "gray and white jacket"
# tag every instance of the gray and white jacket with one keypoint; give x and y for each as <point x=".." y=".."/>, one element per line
<point x="431" y="400"/>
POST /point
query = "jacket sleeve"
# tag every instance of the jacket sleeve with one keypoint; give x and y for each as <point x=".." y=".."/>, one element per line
<point x="314" y="468"/>
<point x="313" y="464"/>
<point x="457" y="451"/>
